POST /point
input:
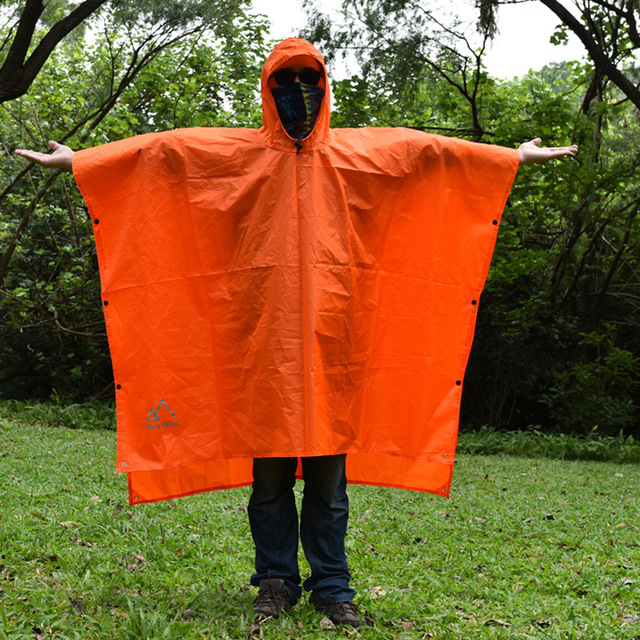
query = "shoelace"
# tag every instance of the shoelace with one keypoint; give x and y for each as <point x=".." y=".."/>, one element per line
<point x="347" y="607"/>
<point x="271" y="596"/>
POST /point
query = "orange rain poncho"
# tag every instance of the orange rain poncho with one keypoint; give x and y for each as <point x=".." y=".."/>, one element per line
<point x="263" y="302"/>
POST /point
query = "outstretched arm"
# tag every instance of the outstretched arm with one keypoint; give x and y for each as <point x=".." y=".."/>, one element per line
<point x="531" y="152"/>
<point x="61" y="158"/>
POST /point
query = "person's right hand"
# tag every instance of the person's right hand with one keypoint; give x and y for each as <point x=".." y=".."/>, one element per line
<point x="61" y="158"/>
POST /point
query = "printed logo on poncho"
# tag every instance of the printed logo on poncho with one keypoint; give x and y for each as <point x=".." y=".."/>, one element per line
<point x="161" y="417"/>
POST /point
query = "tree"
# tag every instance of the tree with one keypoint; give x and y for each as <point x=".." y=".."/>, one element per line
<point x="565" y="269"/>
<point x="607" y="28"/>
<point x="403" y="49"/>
<point x="138" y="71"/>
<point x="20" y="67"/>
<point x="26" y="47"/>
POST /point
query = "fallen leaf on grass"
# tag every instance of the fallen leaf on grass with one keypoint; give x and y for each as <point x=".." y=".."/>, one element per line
<point x="368" y="618"/>
<point x="494" y="622"/>
<point x="543" y="624"/>
<point x="254" y="632"/>
<point x="529" y="521"/>
<point x="95" y="500"/>
<point x="407" y="625"/>
<point x="68" y="524"/>
<point x="464" y="616"/>
<point x="630" y="619"/>
<point x="37" y="515"/>
<point x="377" y="592"/>
<point x="133" y="563"/>
<point x="325" y="623"/>
<point x="16" y="480"/>
<point x="76" y="605"/>
<point x="83" y="543"/>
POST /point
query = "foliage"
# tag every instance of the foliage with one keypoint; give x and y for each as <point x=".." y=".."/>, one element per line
<point x="32" y="30"/>
<point x="597" y="392"/>
<point x="87" y="416"/>
<point x="566" y="262"/>
<point x="535" y="443"/>
<point x="608" y="31"/>
<point x="96" y="89"/>
<point x="416" y="68"/>
<point x="23" y="51"/>
<point x="525" y="548"/>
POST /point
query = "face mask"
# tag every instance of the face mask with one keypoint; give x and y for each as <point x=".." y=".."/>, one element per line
<point x="298" y="106"/>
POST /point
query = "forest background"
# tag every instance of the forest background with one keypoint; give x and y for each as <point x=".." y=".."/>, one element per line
<point x="557" y="342"/>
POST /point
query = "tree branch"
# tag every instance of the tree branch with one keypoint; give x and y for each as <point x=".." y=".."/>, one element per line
<point x="16" y="74"/>
<point x="599" y="57"/>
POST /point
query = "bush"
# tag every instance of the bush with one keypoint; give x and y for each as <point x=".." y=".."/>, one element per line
<point x="599" y="391"/>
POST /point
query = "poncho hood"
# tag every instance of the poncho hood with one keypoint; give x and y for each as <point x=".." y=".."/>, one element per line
<point x="281" y="56"/>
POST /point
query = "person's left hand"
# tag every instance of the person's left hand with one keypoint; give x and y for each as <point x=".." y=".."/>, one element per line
<point x="531" y="152"/>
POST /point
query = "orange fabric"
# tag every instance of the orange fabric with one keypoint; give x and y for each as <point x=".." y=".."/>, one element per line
<point x="261" y="302"/>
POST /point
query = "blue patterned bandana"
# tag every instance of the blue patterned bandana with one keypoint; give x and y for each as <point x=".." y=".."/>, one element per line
<point x="298" y="106"/>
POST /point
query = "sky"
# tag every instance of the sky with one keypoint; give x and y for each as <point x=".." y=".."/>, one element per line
<point x="522" y="44"/>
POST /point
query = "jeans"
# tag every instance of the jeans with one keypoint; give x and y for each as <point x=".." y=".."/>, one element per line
<point x="273" y="518"/>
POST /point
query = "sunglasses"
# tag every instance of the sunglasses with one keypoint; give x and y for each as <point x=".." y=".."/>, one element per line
<point x="286" y="77"/>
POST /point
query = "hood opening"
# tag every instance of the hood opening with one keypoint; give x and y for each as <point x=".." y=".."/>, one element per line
<point x="293" y="52"/>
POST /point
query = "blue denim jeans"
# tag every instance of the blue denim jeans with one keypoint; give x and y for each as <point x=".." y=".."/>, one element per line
<point x="273" y="517"/>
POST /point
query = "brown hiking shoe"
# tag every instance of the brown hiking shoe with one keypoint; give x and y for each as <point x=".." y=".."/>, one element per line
<point x="344" y="613"/>
<point x="272" y="598"/>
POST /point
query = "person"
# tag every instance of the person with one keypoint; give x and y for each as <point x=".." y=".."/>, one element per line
<point x="299" y="149"/>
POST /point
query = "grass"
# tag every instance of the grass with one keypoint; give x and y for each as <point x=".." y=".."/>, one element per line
<point x="525" y="548"/>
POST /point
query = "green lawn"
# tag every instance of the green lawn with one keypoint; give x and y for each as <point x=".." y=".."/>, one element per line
<point x="525" y="548"/>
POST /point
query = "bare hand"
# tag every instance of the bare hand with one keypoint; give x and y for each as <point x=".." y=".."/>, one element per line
<point x="61" y="158"/>
<point x="531" y="152"/>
